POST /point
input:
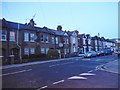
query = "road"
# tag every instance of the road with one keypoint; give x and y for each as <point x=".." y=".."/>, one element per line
<point x="69" y="73"/>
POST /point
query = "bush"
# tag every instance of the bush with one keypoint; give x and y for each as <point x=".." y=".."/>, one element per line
<point x="31" y="56"/>
<point x="25" y="57"/>
<point x="52" y="54"/>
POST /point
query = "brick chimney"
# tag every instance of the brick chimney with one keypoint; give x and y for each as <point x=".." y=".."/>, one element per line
<point x="59" y="28"/>
<point x="32" y="23"/>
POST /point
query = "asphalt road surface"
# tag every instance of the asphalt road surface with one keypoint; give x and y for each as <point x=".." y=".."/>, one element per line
<point x="72" y="73"/>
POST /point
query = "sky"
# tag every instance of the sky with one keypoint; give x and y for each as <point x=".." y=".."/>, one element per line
<point x="86" y="17"/>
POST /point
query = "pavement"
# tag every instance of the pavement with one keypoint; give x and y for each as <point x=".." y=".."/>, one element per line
<point x="112" y="67"/>
<point x="36" y="62"/>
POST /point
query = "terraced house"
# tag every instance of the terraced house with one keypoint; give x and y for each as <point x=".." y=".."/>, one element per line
<point x="22" y="40"/>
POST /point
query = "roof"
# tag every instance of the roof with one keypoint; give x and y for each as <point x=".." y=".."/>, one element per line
<point x="59" y="33"/>
<point x="44" y="30"/>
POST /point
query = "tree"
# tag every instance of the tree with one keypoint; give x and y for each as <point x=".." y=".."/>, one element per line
<point x="52" y="54"/>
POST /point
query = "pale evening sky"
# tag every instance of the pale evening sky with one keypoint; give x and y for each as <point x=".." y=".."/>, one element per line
<point x="86" y="17"/>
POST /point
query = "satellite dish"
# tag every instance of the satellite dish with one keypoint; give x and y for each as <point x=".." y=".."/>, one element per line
<point x="60" y="44"/>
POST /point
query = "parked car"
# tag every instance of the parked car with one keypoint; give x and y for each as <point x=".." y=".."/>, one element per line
<point x="81" y="55"/>
<point x="107" y="51"/>
<point x="74" y="54"/>
<point x="102" y="52"/>
<point x="117" y="51"/>
<point x="98" y="53"/>
<point x="90" y="54"/>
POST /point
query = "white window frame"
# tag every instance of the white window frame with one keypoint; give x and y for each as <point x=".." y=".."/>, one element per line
<point x="65" y="51"/>
<point x="12" y="36"/>
<point x="47" y="50"/>
<point x="89" y="41"/>
<point x="1" y="35"/>
<point x="74" y="49"/>
<point x="68" y="50"/>
<point x="42" y="37"/>
<point x="47" y="39"/>
<point x="26" y="36"/>
<point x="73" y="40"/>
<point x="84" y="41"/>
<point x="26" y="51"/>
<point x="32" y="50"/>
<point x="96" y="42"/>
<point x="56" y="40"/>
<point x="42" y="50"/>
<point x="32" y="35"/>
<point x="53" y="41"/>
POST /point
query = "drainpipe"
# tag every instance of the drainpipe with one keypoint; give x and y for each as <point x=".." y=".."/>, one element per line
<point x="18" y="44"/>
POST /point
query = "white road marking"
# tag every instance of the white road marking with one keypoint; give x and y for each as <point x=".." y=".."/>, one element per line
<point x="60" y="64"/>
<point x="99" y="67"/>
<point x="77" y="77"/>
<point x="109" y="71"/>
<point x="16" y="72"/>
<point x="90" y="71"/>
<point x="88" y="74"/>
<point x="86" y="59"/>
<point x="98" y="59"/>
<point x="42" y="87"/>
<point x="58" y="82"/>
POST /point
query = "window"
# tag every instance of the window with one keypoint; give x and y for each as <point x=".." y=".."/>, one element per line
<point x="32" y="50"/>
<point x="74" y="50"/>
<point x="47" y="38"/>
<point x="42" y="38"/>
<point x="73" y="40"/>
<point x="3" y="35"/>
<point x="95" y="42"/>
<point x="26" y="51"/>
<point x="56" y="40"/>
<point x="32" y="35"/>
<point x="47" y="50"/>
<point x="42" y="50"/>
<point x="89" y="41"/>
<point x="26" y="36"/>
<point x="52" y="40"/>
<point x="67" y="41"/>
<point x="12" y="36"/>
<point x="65" y="51"/>
<point x="84" y="41"/>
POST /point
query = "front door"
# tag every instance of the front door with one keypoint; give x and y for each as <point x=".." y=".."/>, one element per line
<point x="15" y="52"/>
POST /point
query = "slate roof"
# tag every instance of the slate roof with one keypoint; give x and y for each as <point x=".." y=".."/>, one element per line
<point x="70" y="33"/>
<point x="44" y="30"/>
<point x="58" y="33"/>
<point x="12" y="25"/>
